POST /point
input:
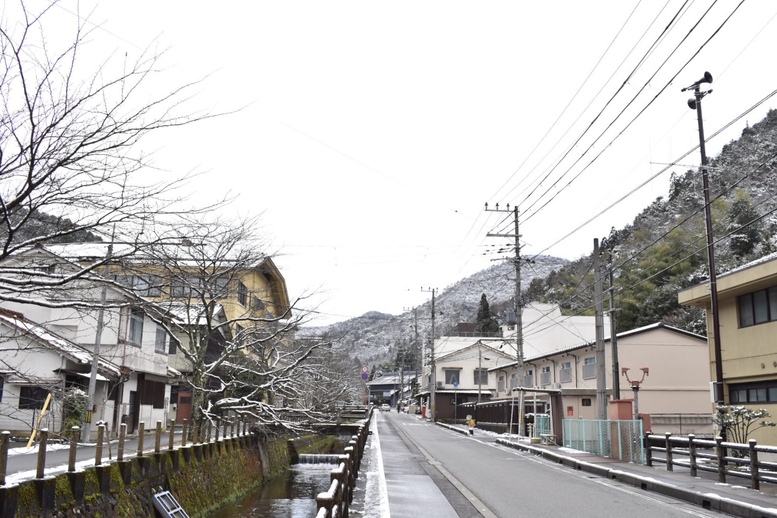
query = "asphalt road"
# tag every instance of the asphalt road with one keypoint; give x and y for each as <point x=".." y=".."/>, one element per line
<point x="481" y="478"/>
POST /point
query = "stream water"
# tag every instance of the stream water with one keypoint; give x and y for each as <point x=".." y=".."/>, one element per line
<point x="291" y="495"/>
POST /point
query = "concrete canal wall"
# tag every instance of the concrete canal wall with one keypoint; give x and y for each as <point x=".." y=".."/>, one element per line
<point x="203" y="477"/>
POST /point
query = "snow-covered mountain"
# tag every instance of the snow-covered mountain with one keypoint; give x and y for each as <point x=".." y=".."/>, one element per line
<point x="375" y="337"/>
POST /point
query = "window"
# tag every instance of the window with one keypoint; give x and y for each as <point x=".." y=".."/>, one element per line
<point x="452" y="376"/>
<point x="160" y="341"/>
<point x="32" y="398"/>
<point x="565" y="374"/>
<point x="513" y="381"/>
<point x="589" y="367"/>
<point x="151" y="393"/>
<point x="528" y="378"/>
<point x="143" y="286"/>
<point x="481" y="377"/>
<point x="545" y="376"/>
<point x="758" y="307"/>
<point x="500" y="387"/>
<point x="242" y="293"/>
<point x="173" y="346"/>
<point x="257" y="304"/>
<point x="586" y="401"/>
<point x="135" y="331"/>
<point x="758" y="392"/>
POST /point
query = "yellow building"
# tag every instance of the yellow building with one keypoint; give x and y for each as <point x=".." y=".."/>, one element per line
<point x="747" y="309"/>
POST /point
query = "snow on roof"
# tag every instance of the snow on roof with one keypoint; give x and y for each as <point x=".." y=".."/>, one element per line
<point x="64" y="346"/>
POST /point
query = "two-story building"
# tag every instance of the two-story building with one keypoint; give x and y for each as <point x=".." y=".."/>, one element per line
<point x="105" y="318"/>
<point x="36" y="363"/>
<point x="675" y="391"/>
<point x="747" y="309"/>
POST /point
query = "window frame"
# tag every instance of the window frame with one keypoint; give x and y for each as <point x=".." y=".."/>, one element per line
<point x="34" y="401"/>
<point x="757" y="307"/>
<point x="160" y="347"/>
<point x="242" y="294"/>
<point x="452" y="375"/>
<point x="135" y="326"/>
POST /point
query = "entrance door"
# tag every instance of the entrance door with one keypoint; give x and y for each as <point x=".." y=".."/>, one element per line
<point x="184" y="410"/>
<point x="134" y="411"/>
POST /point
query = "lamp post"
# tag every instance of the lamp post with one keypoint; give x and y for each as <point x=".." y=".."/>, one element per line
<point x="635" y="387"/>
<point x="695" y="104"/>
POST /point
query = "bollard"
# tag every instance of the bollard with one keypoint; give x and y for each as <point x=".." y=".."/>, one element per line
<point x="4" y="437"/>
<point x="669" y="466"/>
<point x="44" y="439"/>
<point x="172" y="435"/>
<point x="692" y="454"/>
<point x="122" y="436"/>
<point x="98" y="452"/>
<point x="75" y="433"/>
<point x="158" y="438"/>
<point x="648" y="450"/>
<point x="755" y="482"/>
<point x="141" y="436"/>
<point x="721" y="459"/>
<point x="185" y="432"/>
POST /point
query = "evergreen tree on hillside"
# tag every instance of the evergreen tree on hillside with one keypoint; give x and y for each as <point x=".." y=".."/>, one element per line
<point x="485" y="323"/>
<point x="745" y="226"/>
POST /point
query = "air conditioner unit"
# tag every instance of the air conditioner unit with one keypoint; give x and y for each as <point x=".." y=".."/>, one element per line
<point x="439" y="384"/>
<point x="556" y="386"/>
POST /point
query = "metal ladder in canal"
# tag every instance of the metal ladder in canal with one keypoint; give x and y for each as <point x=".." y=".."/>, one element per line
<point x="167" y="506"/>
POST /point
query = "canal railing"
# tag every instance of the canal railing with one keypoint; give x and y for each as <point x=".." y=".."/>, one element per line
<point x="231" y="430"/>
<point x="335" y="502"/>
<point x="727" y="459"/>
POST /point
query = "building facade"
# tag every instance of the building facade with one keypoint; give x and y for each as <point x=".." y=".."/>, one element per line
<point x="747" y="308"/>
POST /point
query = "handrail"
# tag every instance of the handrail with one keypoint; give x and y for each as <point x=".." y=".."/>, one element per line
<point x="235" y="435"/>
<point x="724" y="458"/>
<point x="335" y="502"/>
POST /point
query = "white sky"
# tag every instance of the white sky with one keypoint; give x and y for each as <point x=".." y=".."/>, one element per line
<point x="373" y="133"/>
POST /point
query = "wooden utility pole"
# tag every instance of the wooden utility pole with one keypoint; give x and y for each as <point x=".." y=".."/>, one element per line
<point x="433" y="377"/>
<point x="601" y="368"/>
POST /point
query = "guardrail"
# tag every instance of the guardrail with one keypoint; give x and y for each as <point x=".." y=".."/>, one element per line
<point x="334" y="502"/>
<point x="713" y="456"/>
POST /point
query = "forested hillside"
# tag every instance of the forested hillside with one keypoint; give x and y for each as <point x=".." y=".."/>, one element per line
<point x="664" y="249"/>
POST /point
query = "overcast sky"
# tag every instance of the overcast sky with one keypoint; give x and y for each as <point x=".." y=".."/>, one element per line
<point x="372" y="134"/>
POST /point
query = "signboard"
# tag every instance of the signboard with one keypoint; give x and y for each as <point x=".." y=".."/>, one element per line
<point x="364" y="375"/>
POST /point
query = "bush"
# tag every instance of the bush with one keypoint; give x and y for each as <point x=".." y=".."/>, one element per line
<point x="75" y="404"/>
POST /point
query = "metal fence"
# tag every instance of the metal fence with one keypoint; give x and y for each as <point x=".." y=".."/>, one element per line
<point x="620" y="440"/>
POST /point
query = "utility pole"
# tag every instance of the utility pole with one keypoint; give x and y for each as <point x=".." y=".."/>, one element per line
<point x="92" y="390"/>
<point x="433" y="378"/>
<point x="518" y="310"/>
<point x="601" y="368"/>
<point x="517" y="296"/>
<point x="695" y="104"/>
<point x="616" y="382"/>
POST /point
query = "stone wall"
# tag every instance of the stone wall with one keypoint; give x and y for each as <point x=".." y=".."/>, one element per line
<point x="202" y="477"/>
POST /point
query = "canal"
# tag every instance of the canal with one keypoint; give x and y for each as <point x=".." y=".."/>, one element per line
<point x="291" y="495"/>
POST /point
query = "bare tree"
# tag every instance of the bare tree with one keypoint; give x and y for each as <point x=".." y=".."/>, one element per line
<point x="69" y="159"/>
<point x="235" y="323"/>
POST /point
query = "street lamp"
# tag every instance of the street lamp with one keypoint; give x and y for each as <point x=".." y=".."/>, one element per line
<point x="695" y="104"/>
<point x="635" y="387"/>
